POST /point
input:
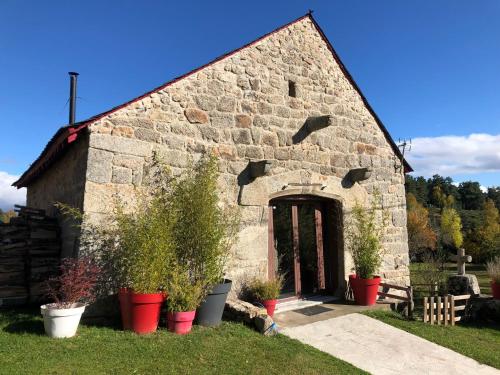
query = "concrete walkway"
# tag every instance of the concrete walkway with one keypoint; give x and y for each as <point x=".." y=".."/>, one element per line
<point x="379" y="348"/>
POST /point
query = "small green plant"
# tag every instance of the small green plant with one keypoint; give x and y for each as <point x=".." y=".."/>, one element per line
<point x="263" y="290"/>
<point x="431" y="274"/>
<point x="493" y="269"/>
<point x="364" y="235"/>
<point x="183" y="295"/>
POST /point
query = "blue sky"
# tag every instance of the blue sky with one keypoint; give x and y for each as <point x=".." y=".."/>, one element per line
<point x="430" y="69"/>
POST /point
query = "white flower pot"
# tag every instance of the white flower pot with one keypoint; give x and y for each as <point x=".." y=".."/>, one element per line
<point x="62" y="322"/>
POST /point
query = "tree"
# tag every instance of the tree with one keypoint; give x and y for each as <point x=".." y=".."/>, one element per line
<point x="437" y="197"/>
<point x="5" y="216"/>
<point x="446" y="187"/>
<point x="421" y="237"/>
<point x="471" y="196"/>
<point x="483" y="243"/>
<point x="422" y="190"/>
<point x="451" y="228"/>
<point x="494" y="195"/>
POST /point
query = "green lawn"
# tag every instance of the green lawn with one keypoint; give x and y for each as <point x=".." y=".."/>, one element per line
<point x="480" y="343"/>
<point x="229" y="349"/>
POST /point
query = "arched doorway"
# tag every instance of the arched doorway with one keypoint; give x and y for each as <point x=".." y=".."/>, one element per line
<point x="305" y="244"/>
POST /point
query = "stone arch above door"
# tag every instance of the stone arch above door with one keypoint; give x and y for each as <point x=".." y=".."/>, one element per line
<point x="259" y="191"/>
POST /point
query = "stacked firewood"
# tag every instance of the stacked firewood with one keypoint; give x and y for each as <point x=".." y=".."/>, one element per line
<point x="29" y="253"/>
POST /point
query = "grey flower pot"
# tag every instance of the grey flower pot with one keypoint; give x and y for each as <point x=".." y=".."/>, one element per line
<point x="209" y="313"/>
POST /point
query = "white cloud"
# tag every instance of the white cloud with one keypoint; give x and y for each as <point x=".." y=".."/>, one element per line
<point x="451" y="155"/>
<point x="10" y="195"/>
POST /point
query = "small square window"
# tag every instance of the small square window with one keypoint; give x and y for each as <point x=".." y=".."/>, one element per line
<point x="291" y="89"/>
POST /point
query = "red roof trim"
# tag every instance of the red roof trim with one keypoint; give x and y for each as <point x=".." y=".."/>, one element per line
<point x="68" y="134"/>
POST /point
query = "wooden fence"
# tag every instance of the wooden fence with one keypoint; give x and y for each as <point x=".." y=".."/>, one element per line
<point x="443" y="310"/>
<point x="407" y="297"/>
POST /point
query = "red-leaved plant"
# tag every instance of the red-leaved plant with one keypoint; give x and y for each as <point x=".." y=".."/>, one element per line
<point x="76" y="283"/>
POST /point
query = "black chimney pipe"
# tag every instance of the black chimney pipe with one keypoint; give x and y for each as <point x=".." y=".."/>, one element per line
<point x="72" y="97"/>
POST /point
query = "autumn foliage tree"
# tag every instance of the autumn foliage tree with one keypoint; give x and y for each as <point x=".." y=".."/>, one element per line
<point x="483" y="243"/>
<point x="451" y="228"/>
<point x="5" y="216"/>
<point x="421" y="237"/>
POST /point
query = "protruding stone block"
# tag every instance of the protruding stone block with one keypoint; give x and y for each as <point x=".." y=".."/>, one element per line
<point x="260" y="168"/>
<point x="359" y="174"/>
<point x="318" y="122"/>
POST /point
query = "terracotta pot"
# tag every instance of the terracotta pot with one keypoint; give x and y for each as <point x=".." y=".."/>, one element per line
<point x="145" y="311"/>
<point x="495" y="290"/>
<point x="364" y="290"/>
<point x="270" y="305"/>
<point x="180" y="322"/>
<point x="125" y="308"/>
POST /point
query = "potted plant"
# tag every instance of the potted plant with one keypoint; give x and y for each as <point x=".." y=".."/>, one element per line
<point x="267" y="292"/>
<point x="184" y="296"/>
<point x="144" y="253"/>
<point x="70" y="291"/>
<point x="493" y="268"/>
<point x="364" y="236"/>
<point x="203" y="234"/>
<point x="100" y="239"/>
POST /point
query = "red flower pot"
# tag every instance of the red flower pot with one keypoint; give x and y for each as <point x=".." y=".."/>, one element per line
<point x="364" y="290"/>
<point x="495" y="290"/>
<point x="270" y="305"/>
<point x="145" y="311"/>
<point x="180" y="322"/>
<point x="125" y="308"/>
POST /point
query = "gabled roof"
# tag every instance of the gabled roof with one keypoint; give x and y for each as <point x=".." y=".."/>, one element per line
<point x="69" y="133"/>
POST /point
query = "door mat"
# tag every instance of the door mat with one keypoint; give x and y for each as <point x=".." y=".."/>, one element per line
<point x="313" y="310"/>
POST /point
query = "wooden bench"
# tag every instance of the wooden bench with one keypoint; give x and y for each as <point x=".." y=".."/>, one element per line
<point x="407" y="298"/>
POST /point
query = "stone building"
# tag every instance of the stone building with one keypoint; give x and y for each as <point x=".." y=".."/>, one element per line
<point x="298" y="146"/>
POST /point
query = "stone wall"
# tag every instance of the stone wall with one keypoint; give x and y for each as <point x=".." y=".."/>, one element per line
<point x="64" y="182"/>
<point x="240" y="109"/>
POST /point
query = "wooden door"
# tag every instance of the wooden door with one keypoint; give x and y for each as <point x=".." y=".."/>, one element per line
<point x="298" y="221"/>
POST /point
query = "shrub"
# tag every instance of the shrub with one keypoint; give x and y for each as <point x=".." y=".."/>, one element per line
<point x="364" y="236"/>
<point x="145" y="248"/>
<point x="493" y="269"/>
<point x="75" y="283"/>
<point x="430" y="273"/>
<point x="204" y="231"/>
<point x="183" y="295"/>
<point x="264" y="290"/>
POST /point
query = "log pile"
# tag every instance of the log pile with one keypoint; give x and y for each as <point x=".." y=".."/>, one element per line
<point x="29" y="253"/>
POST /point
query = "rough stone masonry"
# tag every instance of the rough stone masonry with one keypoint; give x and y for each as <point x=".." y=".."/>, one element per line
<point x="246" y="106"/>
